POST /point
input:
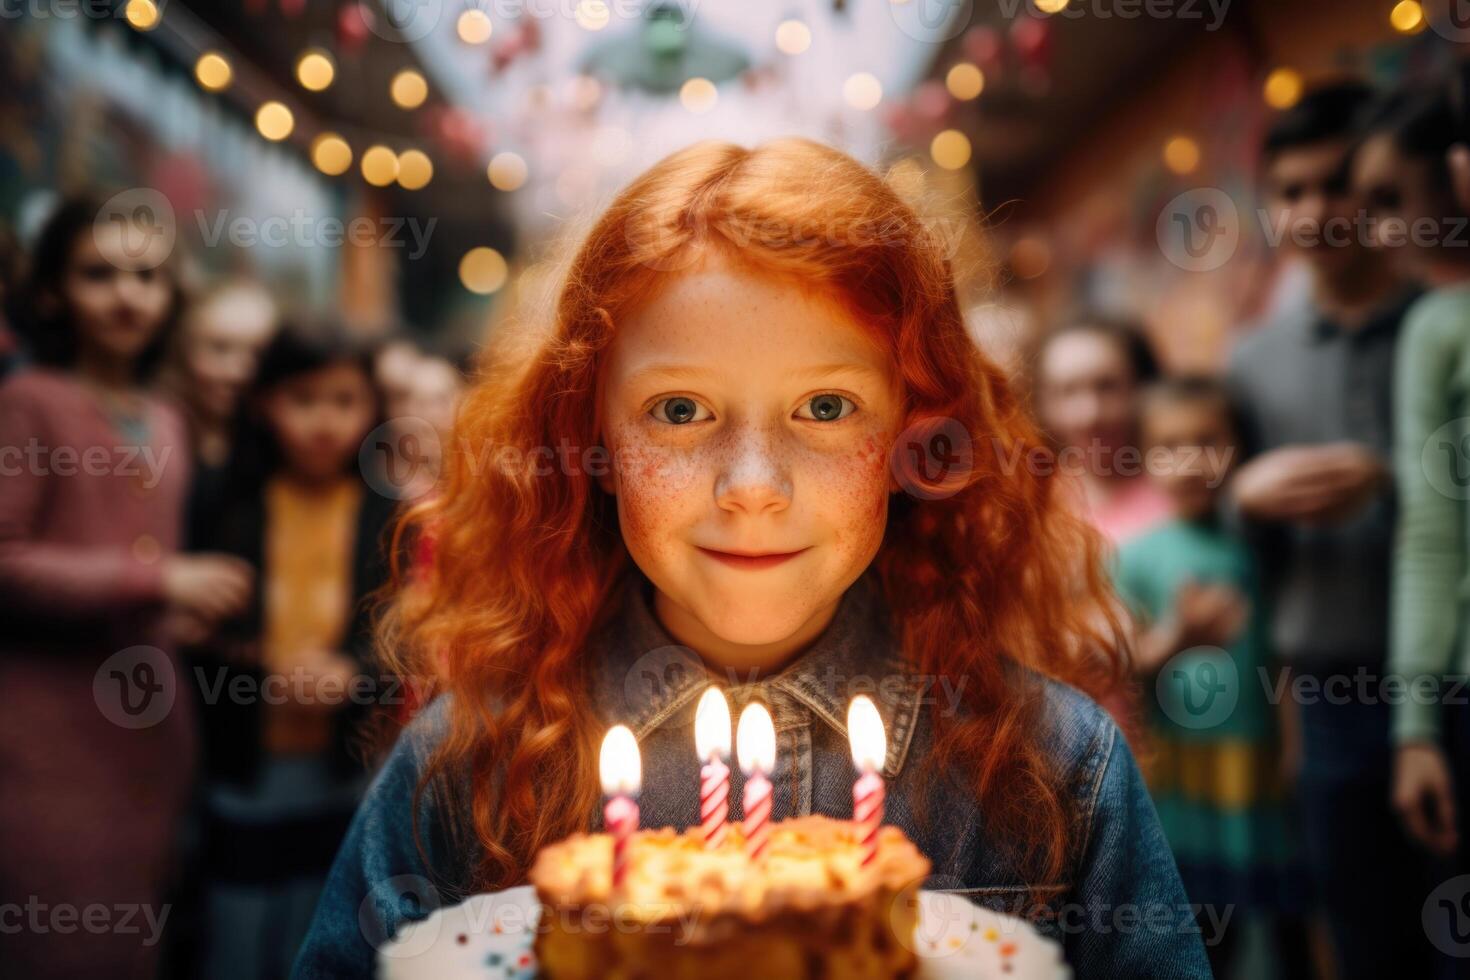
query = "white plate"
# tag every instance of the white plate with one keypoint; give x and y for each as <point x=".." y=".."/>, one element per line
<point x="489" y="937"/>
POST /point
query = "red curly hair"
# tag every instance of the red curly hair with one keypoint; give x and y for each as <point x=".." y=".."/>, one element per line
<point x="526" y="565"/>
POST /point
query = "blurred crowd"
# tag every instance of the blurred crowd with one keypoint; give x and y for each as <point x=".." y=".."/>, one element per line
<point x="197" y="486"/>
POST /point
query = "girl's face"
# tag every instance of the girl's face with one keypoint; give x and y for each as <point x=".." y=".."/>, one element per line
<point x="320" y="418"/>
<point x="749" y="423"/>
<point x="115" y="291"/>
<point x="1086" y="392"/>
<point x="222" y="347"/>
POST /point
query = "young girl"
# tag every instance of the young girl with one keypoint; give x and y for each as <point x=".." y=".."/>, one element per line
<point x="690" y="482"/>
<point x="97" y="750"/>
<point x="283" y="776"/>
<point x="1215" y="762"/>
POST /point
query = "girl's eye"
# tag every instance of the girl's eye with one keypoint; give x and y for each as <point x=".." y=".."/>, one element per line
<point x="678" y="411"/>
<point x="828" y="408"/>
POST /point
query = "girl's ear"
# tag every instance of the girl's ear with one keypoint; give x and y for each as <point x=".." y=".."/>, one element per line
<point x="605" y="477"/>
<point x="48" y="302"/>
<point x="259" y="406"/>
<point x="1459" y="166"/>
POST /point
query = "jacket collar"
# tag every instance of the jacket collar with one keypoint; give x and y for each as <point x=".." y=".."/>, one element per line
<point x="643" y="678"/>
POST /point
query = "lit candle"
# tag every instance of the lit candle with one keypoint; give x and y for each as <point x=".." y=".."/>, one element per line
<point x="712" y="742"/>
<point x="869" y="748"/>
<point x="621" y="775"/>
<point x="755" y="744"/>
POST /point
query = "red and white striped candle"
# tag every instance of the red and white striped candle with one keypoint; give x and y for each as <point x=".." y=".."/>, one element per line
<point x="712" y="743"/>
<point x="755" y="744"/>
<point x="621" y="771"/>
<point x="869" y="749"/>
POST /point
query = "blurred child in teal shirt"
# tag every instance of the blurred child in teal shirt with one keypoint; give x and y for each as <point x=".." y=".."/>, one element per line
<point x="1214" y="762"/>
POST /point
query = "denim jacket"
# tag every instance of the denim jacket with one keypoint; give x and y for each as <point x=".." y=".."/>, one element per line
<point x="1119" y="911"/>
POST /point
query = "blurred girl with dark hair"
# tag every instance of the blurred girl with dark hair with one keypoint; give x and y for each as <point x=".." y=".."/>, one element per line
<point x="283" y="773"/>
<point x="96" y="753"/>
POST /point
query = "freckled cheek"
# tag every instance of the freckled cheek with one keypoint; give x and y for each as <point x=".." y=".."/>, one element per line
<point x="659" y="493"/>
<point x="851" y="488"/>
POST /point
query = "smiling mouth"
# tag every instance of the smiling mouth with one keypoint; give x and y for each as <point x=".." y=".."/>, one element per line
<point x="752" y="562"/>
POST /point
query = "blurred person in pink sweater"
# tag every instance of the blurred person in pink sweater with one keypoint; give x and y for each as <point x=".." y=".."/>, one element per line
<point x="97" y="751"/>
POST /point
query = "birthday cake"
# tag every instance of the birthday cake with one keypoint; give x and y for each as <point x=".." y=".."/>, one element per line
<point x="493" y="936"/>
<point x="808" y="907"/>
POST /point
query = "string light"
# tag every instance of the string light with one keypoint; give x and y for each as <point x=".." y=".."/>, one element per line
<point x="213" y="71"/>
<point x="583" y="91"/>
<point x="415" y="170"/>
<point x="698" y="95"/>
<point x="1030" y="257"/>
<point x="862" y="91"/>
<point x="965" y="81"/>
<point x="950" y="149"/>
<point x="315" y="70"/>
<point x="793" y="37"/>
<point x="331" y="154"/>
<point x="142" y="14"/>
<point x="409" y="89"/>
<point x="1407" y="17"/>
<point x="274" y="121"/>
<point x="483" y="270"/>
<point x="1283" y="88"/>
<point x="1181" y="155"/>
<point x="507" y="171"/>
<point x="379" y="165"/>
<point x="474" y="27"/>
<point x="1050" y="7"/>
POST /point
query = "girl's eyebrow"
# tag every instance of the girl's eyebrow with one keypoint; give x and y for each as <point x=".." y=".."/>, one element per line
<point x="671" y="372"/>
<point x="683" y="372"/>
<point x="853" y="369"/>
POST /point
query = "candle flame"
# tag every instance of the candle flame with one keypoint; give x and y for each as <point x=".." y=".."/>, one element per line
<point x="620" y="766"/>
<point x="865" y="733"/>
<point x="712" y="725"/>
<point x="755" y="739"/>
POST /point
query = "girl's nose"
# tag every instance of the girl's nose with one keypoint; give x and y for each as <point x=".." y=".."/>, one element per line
<point x="755" y="479"/>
